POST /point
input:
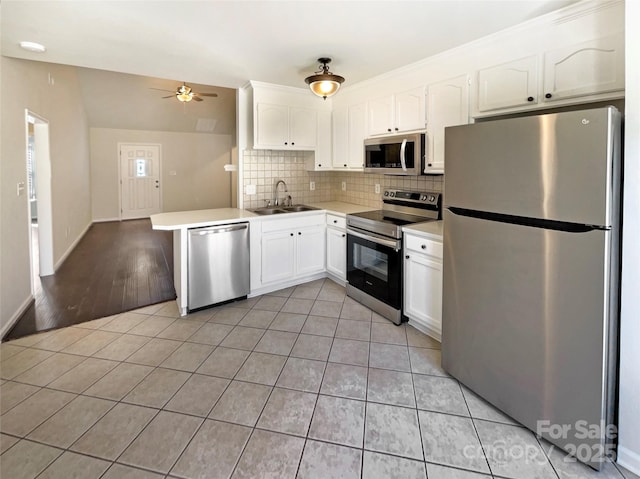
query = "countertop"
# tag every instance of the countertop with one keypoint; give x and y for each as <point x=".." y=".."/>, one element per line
<point x="431" y="229"/>
<point x="198" y="218"/>
<point x="340" y="207"/>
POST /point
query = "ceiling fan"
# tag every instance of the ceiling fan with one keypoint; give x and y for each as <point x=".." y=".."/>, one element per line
<point x="184" y="93"/>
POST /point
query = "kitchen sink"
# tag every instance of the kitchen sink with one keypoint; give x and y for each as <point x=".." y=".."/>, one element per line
<point x="285" y="209"/>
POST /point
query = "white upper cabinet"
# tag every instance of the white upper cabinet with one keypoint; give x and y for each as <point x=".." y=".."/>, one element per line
<point x="349" y="131"/>
<point x="447" y="105"/>
<point x="588" y="68"/>
<point x="397" y="113"/>
<point x="508" y="85"/>
<point x="282" y="127"/>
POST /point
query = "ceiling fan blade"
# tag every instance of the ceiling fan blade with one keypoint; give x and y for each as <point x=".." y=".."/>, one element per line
<point x="196" y="98"/>
<point x="206" y="94"/>
<point x="170" y="96"/>
<point x="161" y="89"/>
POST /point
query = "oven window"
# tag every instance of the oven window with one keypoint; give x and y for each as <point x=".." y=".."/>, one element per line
<point x="375" y="263"/>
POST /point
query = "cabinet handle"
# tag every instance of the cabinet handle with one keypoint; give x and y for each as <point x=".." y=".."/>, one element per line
<point x="286" y="143"/>
<point x="319" y="165"/>
<point x="429" y="164"/>
<point x="388" y="129"/>
<point x="345" y="165"/>
<point x="335" y="221"/>
<point x="343" y="235"/>
<point x="299" y="233"/>
<point x="548" y="95"/>
<point x="293" y="143"/>
<point x="530" y="98"/>
<point x="396" y="129"/>
<point x="406" y="257"/>
<point x="291" y="234"/>
<point x="424" y="246"/>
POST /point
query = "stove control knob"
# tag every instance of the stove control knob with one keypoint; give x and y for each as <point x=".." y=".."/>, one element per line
<point x="423" y="198"/>
<point x="432" y="198"/>
<point x="386" y="193"/>
<point x="392" y="194"/>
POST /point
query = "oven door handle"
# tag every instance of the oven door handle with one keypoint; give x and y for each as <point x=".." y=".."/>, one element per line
<point x="403" y="148"/>
<point x="376" y="239"/>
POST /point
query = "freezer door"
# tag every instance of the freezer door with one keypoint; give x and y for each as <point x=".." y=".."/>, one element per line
<point x="555" y="166"/>
<point x="526" y="321"/>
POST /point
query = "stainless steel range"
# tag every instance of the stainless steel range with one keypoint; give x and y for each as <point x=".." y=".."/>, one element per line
<point x="374" y="249"/>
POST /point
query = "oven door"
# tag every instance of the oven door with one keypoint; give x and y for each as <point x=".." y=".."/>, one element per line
<point x="374" y="266"/>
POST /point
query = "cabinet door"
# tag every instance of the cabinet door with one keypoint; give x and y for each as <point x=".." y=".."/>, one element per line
<point x="272" y="126"/>
<point x="303" y="128"/>
<point x="278" y="256"/>
<point x="337" y="252"/>
<point x="381" y="115"/>
<point x="588" y="68"/>
<point x="357" y="134"/>
<point x="409" y="110"/>
<point x="340" y="128"/>
<point x="447" y="105"/>
<point x="423" y="292"/>
<point x="508" y="85"/>
<point x="310" y="250"/>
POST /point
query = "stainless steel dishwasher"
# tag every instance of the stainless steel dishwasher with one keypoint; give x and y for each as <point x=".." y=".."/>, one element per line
<point x="218" y="264"/>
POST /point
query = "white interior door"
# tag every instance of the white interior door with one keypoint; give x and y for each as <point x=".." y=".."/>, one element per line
<point x="139" y="180"/>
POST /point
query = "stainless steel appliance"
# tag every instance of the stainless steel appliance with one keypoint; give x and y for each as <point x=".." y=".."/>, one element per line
<point x="531" y="271"/>
<point x="374" y="249"/>
<point x="218" y="264"/>
<point x="395" y="155"/>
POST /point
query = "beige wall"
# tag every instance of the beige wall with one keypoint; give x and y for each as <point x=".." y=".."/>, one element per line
<point x="25" y="85"/>
<point x="197" y="159"/>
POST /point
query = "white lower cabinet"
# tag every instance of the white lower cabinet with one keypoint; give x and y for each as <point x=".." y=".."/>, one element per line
<point x="291" y="249"/>
<point x="336" y="247"/>
<point x="423" y="284"/>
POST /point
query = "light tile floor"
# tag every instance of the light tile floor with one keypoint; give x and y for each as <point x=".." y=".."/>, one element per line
<point x="304" y="383"/>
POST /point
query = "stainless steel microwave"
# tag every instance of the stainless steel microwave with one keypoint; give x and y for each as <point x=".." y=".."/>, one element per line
<point x="395" y="155"/>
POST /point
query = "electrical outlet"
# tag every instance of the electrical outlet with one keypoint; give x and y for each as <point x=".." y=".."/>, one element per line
<point x="377" y="187"/>
<point x="312" y="185"/>
<point x="250" y="189"/>
<point x="344" y="186"/>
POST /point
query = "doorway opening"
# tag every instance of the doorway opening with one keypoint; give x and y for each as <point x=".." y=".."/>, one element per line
<point x="38" y="164"/>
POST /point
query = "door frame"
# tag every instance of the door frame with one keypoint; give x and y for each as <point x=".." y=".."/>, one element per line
<point x="44" y="195"/>
<point x="128" y="143"/>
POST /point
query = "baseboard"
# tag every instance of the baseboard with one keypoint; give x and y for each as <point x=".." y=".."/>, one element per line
<point x="16" y="316"/>
<point x="286" y="284"/>
<point x="71" y="247"/>
<point x="105" y="220"/>
<point x="629" y="459"/>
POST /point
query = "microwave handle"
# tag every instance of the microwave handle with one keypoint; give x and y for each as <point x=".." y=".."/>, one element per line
<point x="403" y="147"/>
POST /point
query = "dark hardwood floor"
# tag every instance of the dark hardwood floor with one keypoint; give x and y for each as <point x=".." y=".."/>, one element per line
<point x="116" y="267"/>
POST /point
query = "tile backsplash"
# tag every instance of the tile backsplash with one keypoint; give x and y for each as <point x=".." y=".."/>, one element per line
<point x="263" y="168"/>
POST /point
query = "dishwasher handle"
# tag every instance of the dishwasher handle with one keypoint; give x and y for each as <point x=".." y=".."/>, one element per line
<point x="220" y="229"/>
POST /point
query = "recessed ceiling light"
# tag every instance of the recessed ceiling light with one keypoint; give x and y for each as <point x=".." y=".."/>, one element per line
<point x="33" y="47"/>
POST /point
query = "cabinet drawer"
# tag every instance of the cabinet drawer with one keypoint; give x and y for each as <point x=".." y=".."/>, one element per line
<point x="336" y="221"/>
<point x="423" y="245"/>
<point x="289" y="223"/>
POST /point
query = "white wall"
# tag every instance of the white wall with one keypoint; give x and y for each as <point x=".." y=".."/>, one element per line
<point x="197" y="159"/>
<point x="629" y="412"/>
<point x="25" y="85"/>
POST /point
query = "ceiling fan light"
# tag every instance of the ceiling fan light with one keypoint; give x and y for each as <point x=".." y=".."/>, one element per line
<point x="184" y="96"/>
<point x="324" y="83"/>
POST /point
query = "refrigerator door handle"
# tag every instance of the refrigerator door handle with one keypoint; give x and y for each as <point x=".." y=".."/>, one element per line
<point x="524" y="221"/>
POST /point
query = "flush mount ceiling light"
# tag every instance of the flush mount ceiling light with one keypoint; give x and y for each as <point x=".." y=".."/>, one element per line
<point x="324" y="83"/>
<point x="33" y="47"/>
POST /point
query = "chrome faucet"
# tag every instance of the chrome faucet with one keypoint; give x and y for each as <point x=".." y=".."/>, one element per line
<point x="275" y="192"/>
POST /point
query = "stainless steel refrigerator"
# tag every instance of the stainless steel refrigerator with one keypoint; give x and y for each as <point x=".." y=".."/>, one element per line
<point x="531" y="270"/>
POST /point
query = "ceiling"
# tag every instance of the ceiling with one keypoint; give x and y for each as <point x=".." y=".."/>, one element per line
<point x="226" y="43"/>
